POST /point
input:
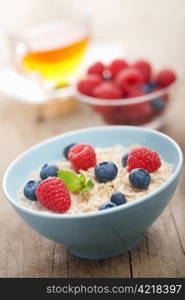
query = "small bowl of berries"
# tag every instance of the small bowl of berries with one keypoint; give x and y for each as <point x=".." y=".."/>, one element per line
<point x="127" y="93"/>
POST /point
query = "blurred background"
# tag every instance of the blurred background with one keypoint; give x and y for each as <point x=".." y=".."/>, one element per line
<point x="37" y="100"/>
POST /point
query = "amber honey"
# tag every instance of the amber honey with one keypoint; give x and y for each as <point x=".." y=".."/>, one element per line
<point x="56" y="54"/>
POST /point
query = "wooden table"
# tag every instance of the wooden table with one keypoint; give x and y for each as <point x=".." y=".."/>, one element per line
<point x="26" y="254"/>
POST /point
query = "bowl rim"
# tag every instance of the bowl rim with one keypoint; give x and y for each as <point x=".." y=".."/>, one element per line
<point x="123" y="101"/>
<point x="95" y="213"/>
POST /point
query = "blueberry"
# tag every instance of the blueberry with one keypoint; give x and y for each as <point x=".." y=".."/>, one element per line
<point x="48" y="170"/>
<point x="139" y="178"/>
<point x="118" y="198"/>
<point x="124" y="159"/>
<point x="147" y="88"/>
<point x="152" y="84"/>
<point x="107" y="205"/>
<point x="158" y="103"/>
<point x="106" y="171"/>
<point x="30" y="189"/>
<point x="67" y="148"/>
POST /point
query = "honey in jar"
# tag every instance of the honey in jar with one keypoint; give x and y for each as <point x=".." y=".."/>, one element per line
<point x="55" y="51"/>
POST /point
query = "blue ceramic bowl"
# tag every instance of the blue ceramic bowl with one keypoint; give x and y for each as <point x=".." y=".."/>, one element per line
<point x="100" y="234"/>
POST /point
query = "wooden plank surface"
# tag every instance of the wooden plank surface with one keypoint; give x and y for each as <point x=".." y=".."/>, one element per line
<point x="23" y="253"/>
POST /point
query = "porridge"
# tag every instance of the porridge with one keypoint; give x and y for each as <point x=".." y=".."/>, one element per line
<point x="90" y="179"/>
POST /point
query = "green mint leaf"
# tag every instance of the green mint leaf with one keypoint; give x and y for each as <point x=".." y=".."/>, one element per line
<point x="89" y="186"/>
<point x="82" y="179"/>
<point x="72" y="181"/>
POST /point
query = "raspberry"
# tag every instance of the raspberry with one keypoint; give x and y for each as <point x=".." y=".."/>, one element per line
<point x="103" y="109"/>
<point x="96" y="68"/>
<point x="131" y="114"/>
<point x="165" y="77"/>
<point x="111" y="119"/>
<point x="86" y="85"/>
<point x="107" y="90"/>
<point x="144" y="158"/>
<point x="165" y="98"/>
<point x="135" y="93"/>
<point x="145" y="68"/>
<point x="116" y="66"/>
<point x="136" y="113"/>
<point x="54" y="195"/>
<point x="82" y="156"/>
<point x="129" y="79"/>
